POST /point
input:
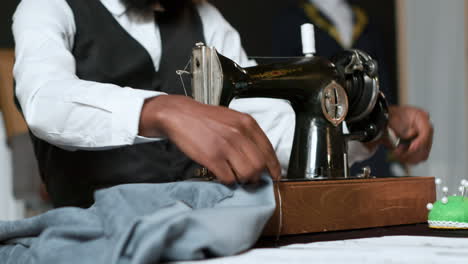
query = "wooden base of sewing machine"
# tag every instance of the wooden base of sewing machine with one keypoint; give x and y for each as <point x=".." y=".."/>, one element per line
<point x="331" y="205"/>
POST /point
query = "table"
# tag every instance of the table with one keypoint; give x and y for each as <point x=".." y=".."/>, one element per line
<point x="406" y="230"/>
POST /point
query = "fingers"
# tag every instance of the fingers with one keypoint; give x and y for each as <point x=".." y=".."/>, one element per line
<point x="251" y="152"/>
<point x="245" y="148"/>
<point x="419" y="149"/>
<point x="223" y="172"/>
<point x="263" y="144"/>
<point x="230" y="144"/>
<point x="247" y="164"/>
<point x="402" y="129"/>
<point x="425" y="133"/>
<point x="421" y="130"/>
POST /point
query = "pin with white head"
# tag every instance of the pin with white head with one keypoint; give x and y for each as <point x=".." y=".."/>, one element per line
<point x="445" y="190"/>
<point x="461" y="189"/>
<point x="308" y="39"/>
<point x="429" y="206"/>
<point x="465" y="187"/>
<point x="438" y="182"/>
<point x="444" y="200"/>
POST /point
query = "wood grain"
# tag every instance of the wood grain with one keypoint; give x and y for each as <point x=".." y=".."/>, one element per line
<point x="320" y="206"/>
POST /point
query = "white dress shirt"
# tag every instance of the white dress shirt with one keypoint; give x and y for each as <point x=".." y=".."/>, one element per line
<point x="77" y="114"/>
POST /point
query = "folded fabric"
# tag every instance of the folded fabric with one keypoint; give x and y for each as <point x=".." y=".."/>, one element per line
<point x="144" y="223"/>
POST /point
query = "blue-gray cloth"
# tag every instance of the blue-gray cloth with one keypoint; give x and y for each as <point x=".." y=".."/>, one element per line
<point x="143" y="223"/>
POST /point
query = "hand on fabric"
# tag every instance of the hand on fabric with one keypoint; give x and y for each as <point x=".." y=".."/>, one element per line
<point x="412" y="124"/>
<point x="229" y="143"/>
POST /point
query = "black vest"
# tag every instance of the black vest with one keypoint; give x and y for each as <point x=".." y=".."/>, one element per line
<point x="106" y="53"/>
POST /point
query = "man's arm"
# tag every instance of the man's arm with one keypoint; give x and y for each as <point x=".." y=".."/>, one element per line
<point x="58" y="106"/>
<point x="229" y="143"/>
<point x="69" y="112"/>
<point x="414" y="125"/>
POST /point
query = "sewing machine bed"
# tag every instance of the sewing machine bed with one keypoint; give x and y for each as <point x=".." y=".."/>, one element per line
<point x="332" y="205"/>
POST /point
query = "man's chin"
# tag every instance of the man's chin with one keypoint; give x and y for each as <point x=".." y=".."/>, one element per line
<point x="139" y="5"/>
<point x="146" y="5"/>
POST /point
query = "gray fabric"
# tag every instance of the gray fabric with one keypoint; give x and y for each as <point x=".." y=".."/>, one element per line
<point x="144" y="223"/>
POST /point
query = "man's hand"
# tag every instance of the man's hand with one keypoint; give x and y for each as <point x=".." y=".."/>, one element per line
<point x="229" y="143"/>
<point x="411" y="123"/>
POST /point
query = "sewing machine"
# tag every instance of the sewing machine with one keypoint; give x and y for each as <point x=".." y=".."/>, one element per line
<point x="324" y="93"/>
<point x="318" y="194"/>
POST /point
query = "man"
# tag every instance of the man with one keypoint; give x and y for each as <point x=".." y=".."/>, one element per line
<point x="95" y="80"/>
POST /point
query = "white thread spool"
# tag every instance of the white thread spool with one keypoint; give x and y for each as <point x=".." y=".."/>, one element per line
<point x="308" y="39"/>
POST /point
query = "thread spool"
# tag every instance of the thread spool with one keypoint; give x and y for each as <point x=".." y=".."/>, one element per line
<point x="308" y="39"/>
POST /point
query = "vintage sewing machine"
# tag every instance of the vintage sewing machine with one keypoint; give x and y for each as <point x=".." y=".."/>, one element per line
<point x="318" y="193"/>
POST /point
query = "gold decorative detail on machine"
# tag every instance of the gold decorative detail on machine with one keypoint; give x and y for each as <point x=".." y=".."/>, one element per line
<point x="276" y="73"/>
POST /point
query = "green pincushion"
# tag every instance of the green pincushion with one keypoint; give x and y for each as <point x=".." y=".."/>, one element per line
<point x="453" y="214"/>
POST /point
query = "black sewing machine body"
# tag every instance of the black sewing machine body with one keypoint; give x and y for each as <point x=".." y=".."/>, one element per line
<point x="302" y="82"/>
<point x="322" y="93"/>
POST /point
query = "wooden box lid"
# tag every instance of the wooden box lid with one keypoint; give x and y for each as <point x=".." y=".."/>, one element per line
<point x="320" y="206"/>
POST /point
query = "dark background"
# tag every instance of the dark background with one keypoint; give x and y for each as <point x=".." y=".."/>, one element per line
<point x="253" y="19"/>
<point x="7" y="8"/>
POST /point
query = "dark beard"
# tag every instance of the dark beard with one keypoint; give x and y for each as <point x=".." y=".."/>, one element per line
<point x="171" y="6"/>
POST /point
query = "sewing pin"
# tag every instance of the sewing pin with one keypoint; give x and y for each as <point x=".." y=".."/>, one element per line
<point x="445" y="190"/>
<point x="465" y="188"/>
<point x="444" y="200"/>
<point x="429" y="206"/>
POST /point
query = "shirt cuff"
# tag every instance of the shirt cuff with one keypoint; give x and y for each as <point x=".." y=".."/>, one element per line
<point x="126" y="118"/>
<point x="357" y="152"/>
<point x="142" y="140"/>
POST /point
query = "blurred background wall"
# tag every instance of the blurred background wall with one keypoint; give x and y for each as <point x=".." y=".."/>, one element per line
<point x="10" y="209"/>
<point x="433" y="66"/>
<point x="254" y="20"/>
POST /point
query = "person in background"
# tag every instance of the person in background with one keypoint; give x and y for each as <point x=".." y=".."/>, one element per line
<point x="339" y="25"/>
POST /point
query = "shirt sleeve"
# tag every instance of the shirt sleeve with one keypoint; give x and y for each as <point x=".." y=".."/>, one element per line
<point x="58" y="106"/>
<point x="220" y="34"/>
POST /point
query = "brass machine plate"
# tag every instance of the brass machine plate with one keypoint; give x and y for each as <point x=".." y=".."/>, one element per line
<point x="331" y="205"/>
